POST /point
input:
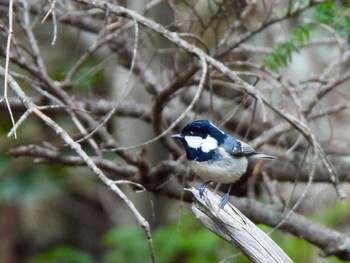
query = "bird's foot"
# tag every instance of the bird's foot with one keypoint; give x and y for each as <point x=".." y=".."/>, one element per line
<point x="225" y="198"/>
<point x="202" y="188"/>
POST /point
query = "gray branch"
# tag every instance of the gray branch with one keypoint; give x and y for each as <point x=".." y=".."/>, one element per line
<point x="231" y="225"/>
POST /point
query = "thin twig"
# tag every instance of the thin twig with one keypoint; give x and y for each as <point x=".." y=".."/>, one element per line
<point x="52" y="11"/>
<point x="7" y="63"/>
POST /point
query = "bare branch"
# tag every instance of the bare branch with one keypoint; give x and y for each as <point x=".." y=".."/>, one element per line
<point x="231" y="225"/>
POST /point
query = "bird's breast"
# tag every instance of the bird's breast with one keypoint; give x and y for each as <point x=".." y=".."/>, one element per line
<point x="226" y="170"/>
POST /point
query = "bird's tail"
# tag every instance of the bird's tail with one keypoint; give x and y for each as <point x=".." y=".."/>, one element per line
<point x="259" y="156"/>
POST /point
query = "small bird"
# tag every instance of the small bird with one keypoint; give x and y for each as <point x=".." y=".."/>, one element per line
<point x="216" y="156"/>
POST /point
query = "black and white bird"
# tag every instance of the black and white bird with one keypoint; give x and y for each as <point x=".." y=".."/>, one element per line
<point x="216" y="156"/>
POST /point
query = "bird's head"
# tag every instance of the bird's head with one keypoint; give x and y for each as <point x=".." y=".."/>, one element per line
<point x="200" y="139"/>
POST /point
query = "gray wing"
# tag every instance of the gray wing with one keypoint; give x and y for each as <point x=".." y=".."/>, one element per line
<point x="232" y="146"/>
<point x="250" y="153"/>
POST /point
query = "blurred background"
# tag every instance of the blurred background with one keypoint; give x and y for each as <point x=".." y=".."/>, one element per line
<point x="95" y="73"/>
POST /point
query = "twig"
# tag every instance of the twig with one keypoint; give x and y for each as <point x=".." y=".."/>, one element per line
<point x="7" y="63"/>
<point x="46" y="156"/>
<point x="52" y="11"/>
<point x="136" y="40"/>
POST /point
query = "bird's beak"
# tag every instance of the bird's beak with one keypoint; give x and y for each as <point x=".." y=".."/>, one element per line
<point x="177" y="136"/>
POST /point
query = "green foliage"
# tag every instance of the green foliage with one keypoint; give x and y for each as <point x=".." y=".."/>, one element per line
<point x="186" y="241"/>
<point x="282" y="54"/>
<point x="63" y="254"/>
<point x="333" y="13"/>
<point x="324" y="13"/>
<point x="301" y="33"/>
<point x="130" y="245"/>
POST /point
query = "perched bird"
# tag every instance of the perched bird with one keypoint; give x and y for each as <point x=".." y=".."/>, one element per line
<point x="215" y="155"/>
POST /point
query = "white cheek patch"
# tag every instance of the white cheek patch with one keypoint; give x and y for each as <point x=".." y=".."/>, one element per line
<point x="206" y="144"/>
<point x="209" y="144"/>
<point x="194" y="141"/>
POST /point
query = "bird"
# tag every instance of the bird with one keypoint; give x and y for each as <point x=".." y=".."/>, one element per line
<point x="216" y="156"/>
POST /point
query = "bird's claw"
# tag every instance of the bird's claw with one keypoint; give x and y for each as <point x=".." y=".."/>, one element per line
<point x="202" y="188"/>
<point x="224" y="200"/>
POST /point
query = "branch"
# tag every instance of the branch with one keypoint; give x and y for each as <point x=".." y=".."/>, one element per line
<point x="51" y="156"/>
<point x="331" y="242"/>
<point x="231" y="225"/>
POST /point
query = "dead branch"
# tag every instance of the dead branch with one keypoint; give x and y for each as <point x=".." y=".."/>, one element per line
<point x="230" y="224"/>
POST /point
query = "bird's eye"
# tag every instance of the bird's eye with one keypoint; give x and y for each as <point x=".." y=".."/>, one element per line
<point x="191" y="133"/>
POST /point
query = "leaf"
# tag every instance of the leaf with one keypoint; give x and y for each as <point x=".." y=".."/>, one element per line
<point x="301" y="33"/>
